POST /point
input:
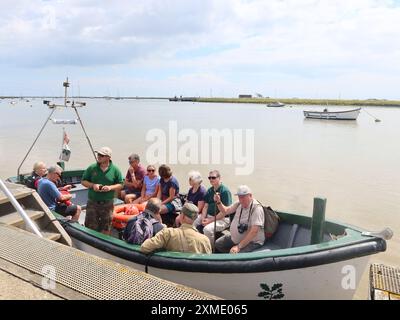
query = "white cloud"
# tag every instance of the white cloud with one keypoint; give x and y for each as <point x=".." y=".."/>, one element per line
<point x="227" y="43"/>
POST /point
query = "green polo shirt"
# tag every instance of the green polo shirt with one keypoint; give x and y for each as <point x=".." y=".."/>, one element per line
<point x="224" y="193"/>
<point x="111" y="176"/>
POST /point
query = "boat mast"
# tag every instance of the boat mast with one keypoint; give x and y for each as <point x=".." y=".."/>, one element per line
<point x="66" y="85"/>
<point x="53" y="108"/>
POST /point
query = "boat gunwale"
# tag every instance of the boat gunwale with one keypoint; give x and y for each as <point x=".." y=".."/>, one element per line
<point x="352" y="236"/>
<point x="328" y="112"/>
<point x="258" y="260"/>
<point x="228" y="263"/>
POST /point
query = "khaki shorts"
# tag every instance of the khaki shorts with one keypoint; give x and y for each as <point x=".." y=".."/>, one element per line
<point x="99" y="215"/>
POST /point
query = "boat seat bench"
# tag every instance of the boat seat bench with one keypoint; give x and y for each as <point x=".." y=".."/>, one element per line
<point x="283" y="238"/>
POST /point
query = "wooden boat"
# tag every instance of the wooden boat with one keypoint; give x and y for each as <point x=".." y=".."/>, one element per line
<point x="275" y="104"/>
<point x="333" y="115"/>
<point x="288" y="266"/>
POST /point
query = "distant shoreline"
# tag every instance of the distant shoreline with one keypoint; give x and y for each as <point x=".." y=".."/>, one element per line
<point x="292" y="101"/>
<point x="295" y="101"/>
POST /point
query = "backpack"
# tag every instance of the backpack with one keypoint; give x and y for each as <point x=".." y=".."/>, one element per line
<point x="271" y="222"/>
<point x="139" y="229"/>
<point x="32" y="181"/>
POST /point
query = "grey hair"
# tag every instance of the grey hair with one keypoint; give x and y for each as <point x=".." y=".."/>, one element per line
<point x="195" y="176"/>
<point x="55" y="168"/>
<point x="134" y="156"/>
<point x="216" y="172"/>
<point x="38" y="164"/>
<point x="153" y="206"/>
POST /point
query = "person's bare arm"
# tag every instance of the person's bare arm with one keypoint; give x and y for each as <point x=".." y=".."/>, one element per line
<point x="91" y="185"/>
<point x="251" y="234"/>
<point x="172" y="194"/>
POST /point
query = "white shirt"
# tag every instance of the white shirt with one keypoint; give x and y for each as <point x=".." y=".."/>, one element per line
<point x="256" y="219"/>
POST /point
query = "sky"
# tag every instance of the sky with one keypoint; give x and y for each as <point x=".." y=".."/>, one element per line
<point x="348" y="49"/>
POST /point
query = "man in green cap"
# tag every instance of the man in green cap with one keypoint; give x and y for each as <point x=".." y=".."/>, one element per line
<point x="186" y="238"/>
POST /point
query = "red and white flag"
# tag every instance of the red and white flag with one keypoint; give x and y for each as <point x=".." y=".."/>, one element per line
<point x="66" y="138"/>
<point x="65" y="151"/>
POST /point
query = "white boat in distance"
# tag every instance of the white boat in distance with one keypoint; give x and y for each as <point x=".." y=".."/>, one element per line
<point x="275" y="104"/>
<point x="333" y="115"/>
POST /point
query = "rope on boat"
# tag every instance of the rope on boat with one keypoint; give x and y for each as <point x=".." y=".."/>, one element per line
<point x="146" y="264"/>
<point x="376" y="119"/>
<point x="84" y="131"/>
<point x="37" y="137"/>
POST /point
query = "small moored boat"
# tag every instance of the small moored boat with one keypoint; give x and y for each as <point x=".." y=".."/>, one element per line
<point x="275" y="104"/>
<point x="333" y="115"/>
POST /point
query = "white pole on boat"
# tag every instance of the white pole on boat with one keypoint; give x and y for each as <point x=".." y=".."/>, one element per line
<point x="20" y="210"/>
<point x="66" y="85"/>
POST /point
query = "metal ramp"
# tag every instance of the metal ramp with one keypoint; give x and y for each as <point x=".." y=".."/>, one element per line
<point x="89" y="275"/>
<point x="384" y="282"/>
<point x="36" y="210"/>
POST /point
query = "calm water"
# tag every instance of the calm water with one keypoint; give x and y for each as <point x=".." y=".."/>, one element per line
<point x="353" y="164"/>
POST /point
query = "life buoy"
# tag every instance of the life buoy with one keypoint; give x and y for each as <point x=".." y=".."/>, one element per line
<point x="123" y="212"/>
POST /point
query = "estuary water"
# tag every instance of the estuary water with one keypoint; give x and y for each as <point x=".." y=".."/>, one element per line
<point x="285" y="159"/>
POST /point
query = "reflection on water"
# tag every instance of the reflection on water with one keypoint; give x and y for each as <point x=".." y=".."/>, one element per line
<point x="354" y="164"/>
<point x="337" y="123"/>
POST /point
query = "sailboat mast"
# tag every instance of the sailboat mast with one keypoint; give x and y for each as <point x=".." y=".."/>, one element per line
<point x="66" y="85"/>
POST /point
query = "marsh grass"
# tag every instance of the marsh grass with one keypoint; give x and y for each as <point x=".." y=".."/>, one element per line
<point x="295" y="101"/>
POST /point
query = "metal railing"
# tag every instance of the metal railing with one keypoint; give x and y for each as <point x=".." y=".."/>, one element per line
<point x="19" y="209"/>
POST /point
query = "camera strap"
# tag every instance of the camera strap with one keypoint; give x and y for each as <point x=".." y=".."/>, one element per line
<point x="250" y="212"/>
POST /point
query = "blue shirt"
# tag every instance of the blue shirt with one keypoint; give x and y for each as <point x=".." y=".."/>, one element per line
<point x="151" y="185"/>
<point x="165" y="186"/>
<point x="196" y="196"/>
<point x="48" y="192"/>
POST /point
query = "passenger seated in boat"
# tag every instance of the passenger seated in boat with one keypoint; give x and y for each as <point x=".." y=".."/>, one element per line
<point x="186" y="238"/>
<point x="152" y="213"/>
<point x="39" y="171"/>
<point x="134" y="179"/>
<point x="247" y="226"/>
<point x="151" y="183"/>
<point x="169" y="194"/>
<point x="195" y="194"/>
<point x="53" y="198"/>
<point x="206" y="221"/>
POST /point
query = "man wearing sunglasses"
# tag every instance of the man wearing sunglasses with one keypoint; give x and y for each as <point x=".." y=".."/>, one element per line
<point x="210" y="210"/>
<point x="103" y="179"/>
<point x="53" y="198"/>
